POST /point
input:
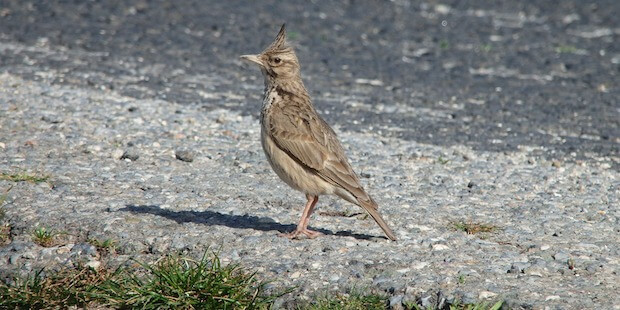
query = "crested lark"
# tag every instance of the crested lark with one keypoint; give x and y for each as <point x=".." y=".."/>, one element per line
<point x="300" y="146"/>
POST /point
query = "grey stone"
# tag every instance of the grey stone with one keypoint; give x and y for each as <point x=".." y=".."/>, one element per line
<point x="131" y="154"/>
<point x="30" y="254"/>
<point x="592" y="268"/>
<point x="387" y="284"/>
<point x="561" y="257"/>
<point x="467" y="272"/>
<point x="409" y="299"/>
<point x="396" y="302"/>
<point x="427" y="301"/>
<point x="184" y="155"/>
<point x="14" y="259"/>
<point x="535" y="270"/>
<point x="466" y="297"/>
<point x="519" y="267"/>
<point x="84" y="249"/>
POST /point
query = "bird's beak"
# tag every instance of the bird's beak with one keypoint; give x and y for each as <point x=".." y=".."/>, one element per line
<point x="252" y="58"/>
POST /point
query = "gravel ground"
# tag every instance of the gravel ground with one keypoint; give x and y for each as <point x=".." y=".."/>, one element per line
<point x="151" y="138"/>
<point x="115" y="174"/>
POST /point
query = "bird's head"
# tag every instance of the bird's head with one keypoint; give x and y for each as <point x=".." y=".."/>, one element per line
<point x="278" y="61"/>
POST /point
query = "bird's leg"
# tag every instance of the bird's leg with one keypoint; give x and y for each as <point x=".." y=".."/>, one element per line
<point x="315" y="199"/>
<point x="302" y="227"/>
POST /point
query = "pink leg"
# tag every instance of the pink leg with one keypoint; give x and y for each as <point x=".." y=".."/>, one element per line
<point x="302" y="227"/>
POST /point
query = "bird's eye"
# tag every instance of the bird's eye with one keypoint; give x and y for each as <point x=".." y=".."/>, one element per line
<point x="277" y="60"/>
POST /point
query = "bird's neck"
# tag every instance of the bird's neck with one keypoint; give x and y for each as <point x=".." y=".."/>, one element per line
<point x="293" y="86"/>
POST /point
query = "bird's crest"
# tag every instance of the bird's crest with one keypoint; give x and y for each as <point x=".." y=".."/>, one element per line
<point x="280" y="41"/>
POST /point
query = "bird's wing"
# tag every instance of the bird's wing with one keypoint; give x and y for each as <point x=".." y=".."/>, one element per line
<point x="300" y="132"/>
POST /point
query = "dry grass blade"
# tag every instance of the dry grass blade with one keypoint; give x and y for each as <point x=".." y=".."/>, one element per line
<point x="23" y="177"/>
<point x="472" y="228"/>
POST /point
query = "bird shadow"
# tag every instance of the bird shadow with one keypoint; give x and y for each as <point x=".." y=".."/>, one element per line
<point x="209" y="218"/>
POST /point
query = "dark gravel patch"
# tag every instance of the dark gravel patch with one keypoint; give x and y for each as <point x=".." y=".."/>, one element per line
<point x="506" y="74"/>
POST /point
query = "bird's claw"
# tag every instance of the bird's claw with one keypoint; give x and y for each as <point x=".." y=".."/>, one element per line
<point x="310" y="234"/>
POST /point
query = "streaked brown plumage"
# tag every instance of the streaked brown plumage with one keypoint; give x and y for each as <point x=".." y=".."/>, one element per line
<point x="300" y="146"/>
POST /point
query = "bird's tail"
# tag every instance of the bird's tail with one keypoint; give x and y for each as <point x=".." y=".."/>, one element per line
<point x="373" y="209"/>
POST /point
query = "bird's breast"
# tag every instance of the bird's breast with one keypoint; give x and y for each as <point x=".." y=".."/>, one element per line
<point x="269" y="98"/>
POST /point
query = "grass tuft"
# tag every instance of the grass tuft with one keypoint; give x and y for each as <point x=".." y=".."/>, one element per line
<point x="350" y="301"/>
<point x="107" y="246"/>
<point x="486" y="47"/>
<point x="5" y="227"/>
<point x="442" y="161"/>
<point x="3" y="198"/>
<point x="566" y="49"/>
<point x="180" y="282"/>
<point x="23" y="177"/>
<point x="472" y="228"/>
<point x="173" y="283"/>
<point x="66" y="288"/>
<point x="444" y="44"/>
<point x="459" y="306"/>
<point x="44" y="236"/>
<point x="477" y="306"/>
<point x="293" y="35"/>
<point x="5" y="233"/>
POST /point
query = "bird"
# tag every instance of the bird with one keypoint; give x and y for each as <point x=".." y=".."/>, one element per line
<point x="303" y="150"/>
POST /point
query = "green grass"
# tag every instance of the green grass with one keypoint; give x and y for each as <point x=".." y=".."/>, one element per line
<point x="459" y="306"/>
<point x="175" y="282"/>
<point x="472" y="228"/>
<point x="2" y="210"/>
<point x="293" y="35"/>
<point x="442" y="161"/>
<point x="5" y="227"/>
<point x="105" y="246"/>
<point x="362" y="301"/>
<point x="3" y="199"/>
<point x="180" y="282"/>
<point x="23" y="177"/>
<point x="44" y="236"/>
<point x="55" y="291"/>
<point x="477" y="306"/>
<point x="351" y="301"/>
<point x="5" y="232"/>
<point x="486" y="47"/>
<point x="444" y="44"/>
<point x="566" y="49"/>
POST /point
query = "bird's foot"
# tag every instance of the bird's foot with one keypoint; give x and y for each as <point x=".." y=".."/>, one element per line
<point x="311" y="234"/>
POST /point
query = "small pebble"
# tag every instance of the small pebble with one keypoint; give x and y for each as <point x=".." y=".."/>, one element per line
<point x="535" y="271"/>
<point x="561" y="257"/>
<point x="486" y="295"/>
<point x="117" y="154"/>
<point x="131" y="155"/>
<point x="519" y="267"/>
<point x="184" y="155"/>
<point x="94" y="264"/>
<point x="396" y="302"/>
